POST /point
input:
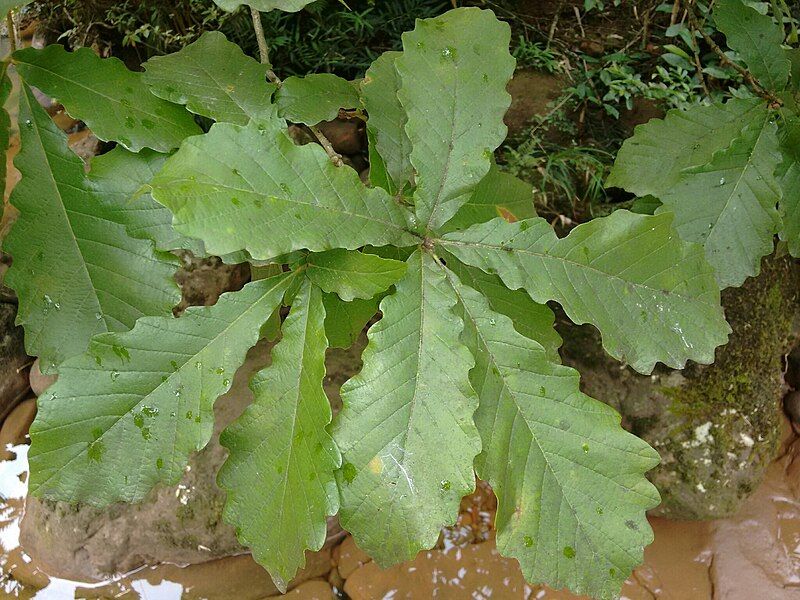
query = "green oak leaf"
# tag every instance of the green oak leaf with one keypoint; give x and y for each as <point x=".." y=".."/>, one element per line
<point x="114" y="103"/>
<point x="665" y="308"/>
<point x="387" y="119"/>
<point x="5" y="123"/>
<point x="213" y="78"/>
<point x="498" y="194"/>
<point x="406" y="432"/>
<point x="730" y="204"/>
<point x="447" y="63"/>
<point x="130" y="410"/>
<point x="531" y="319"/>
<point x="122" y="177"/>
<point x="344" y="321"/>
<point x="279" y="475"/>
<point x="757" y="39"/>
<point x="569" y="479"/>
<point x="315" y="98"/>
<point x="264" y="5"/>
<point x="352" y="274"/>
<point x="235" y="183"/>
<point x="76" y="271"/>
<point x="789" y="177"/>
<point x="651" y="162"/>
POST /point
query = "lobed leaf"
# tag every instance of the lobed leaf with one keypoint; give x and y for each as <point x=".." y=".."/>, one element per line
<point x="76" y="271"/>
<point x="234" y="184"/>
<point x="757" y="39"/>
<point x="114" y="103"/>
<point x="406" y="432"/>
<point x="789" y="178"/>
<point x="651" y="162"/>
<point x="121" y="177"/>
<point x="279" y="475"/>
<point x="353" y="274"/>
<point x="315" y="98"/>
<point x="730" y="205"/>
<point x="569" y="479"/>
<point x="498" y="194"/>
<point x="124" y="416"/>
<point x="264" y="5"/>
<point x="213" y="78"/>
<point x="447" y="63"/>
<point x="387" y="118"/>
<point x="652" y="296"/>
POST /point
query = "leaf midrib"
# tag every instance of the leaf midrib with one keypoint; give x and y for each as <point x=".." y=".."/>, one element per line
<point x="63" y="208"/>
<point x="544" y="257"/>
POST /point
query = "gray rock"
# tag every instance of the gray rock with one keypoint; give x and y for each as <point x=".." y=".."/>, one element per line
<point x="718" y="427"/>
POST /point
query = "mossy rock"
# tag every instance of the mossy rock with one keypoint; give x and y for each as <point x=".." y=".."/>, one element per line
<point x="716" y="427"/>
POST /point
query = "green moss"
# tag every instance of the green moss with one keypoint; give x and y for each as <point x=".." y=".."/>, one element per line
<point x="737" y="397"/>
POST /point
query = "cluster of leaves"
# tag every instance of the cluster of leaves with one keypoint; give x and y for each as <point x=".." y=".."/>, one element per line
<point x="729" y="172"/>
<point x="461" y="374"/>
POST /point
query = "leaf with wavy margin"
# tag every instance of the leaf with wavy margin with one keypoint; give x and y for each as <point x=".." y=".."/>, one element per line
<point x="114" y="102"/>
<point x="652" y="296"/>
<point x="125" y="415"/>
<point x="245" y="188"/>
<point x="569" y="479"/>
<point x="213" y="78"/>
<point x="76" y="271"/>
<point x="406" y="432"/>
<point x="279" y="475"/>
<point x="448" y="63"/>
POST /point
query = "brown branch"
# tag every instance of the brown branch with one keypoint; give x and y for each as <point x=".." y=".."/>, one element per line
<point x="746" y="75"/>
<point x="335" y="157"/>
<point x="263" y="51"/>
<point x="12" y="31"/>
<point x="263" y="48"/>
